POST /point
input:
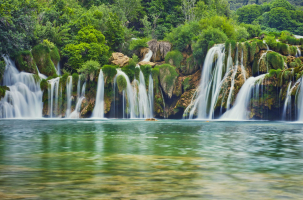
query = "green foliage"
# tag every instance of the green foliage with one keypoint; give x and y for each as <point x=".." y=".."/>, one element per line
<point x="155" y="72"/>
<point x="282" y="3"/>
<point x="44" y="85"/>
<point x="109" y="72"/>
<point x="275" y="60"/>
<point x="136" y="44"/>
<point x="174" y="58"/>
<point x="247" y="14"/>
<point x="2" y="69"/>
<point x="253" y="30"/>
<point x="146" y="70"/>
<point x="114" y="32"/>
<point x="43" y="60"/>
<point x="186" y="84"/>
<point x="89" y="69"/>
<point x="25" y="62"/>
<point x="121" y="83"/>
<point x="3" y="90"/>
<point x="182" y="36"/>
<point x="75" y="77"/>
<point x="89" y="45"/>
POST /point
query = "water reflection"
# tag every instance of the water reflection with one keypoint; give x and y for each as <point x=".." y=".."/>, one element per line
<point x="150" y="160"/>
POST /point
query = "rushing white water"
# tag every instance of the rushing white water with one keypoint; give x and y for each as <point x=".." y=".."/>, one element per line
<point x="53" y="88"/>
<point x="287" y="103"/>
<point x="242" y="66"/>
<point x="143" y="100"/>
<point x="298" y="52"/>
<point x="211" y="81"/>
<point x="235" y="69"/>
<point x="300" y="102"/>
<point x="148" y="56"/>
<point x="69" y="90"/>
<point x="58" y="69"/>
<point x="76" y="112"/>
<point x="98" y="111"/>
<point x="24" y="100"/>
<point x="240" y="110"/>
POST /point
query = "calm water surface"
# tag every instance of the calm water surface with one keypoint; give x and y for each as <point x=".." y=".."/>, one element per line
<point x="168" y="159"/>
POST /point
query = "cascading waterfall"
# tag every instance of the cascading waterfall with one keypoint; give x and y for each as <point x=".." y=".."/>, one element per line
<point x="58" y="69"/>
<point x="98" y="111"/>
<point x="53" y="88"/>
<point x="300" y="101"/>
<point x="148" y="56"/>
<point x="151" y="95"/>
<point x="235" y="69"/>
<point x="24" y="99"/>
<point x="76" y="112"/>
<point x="211" y="81"/>
<point x="69" y="89"/>
<point x="298" y="52"/>
<point x="287" y="103"/>
<point x="242" y="66"/>
<point x="240" y="110"/>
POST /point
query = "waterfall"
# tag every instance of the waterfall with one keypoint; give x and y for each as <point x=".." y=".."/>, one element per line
<point x="143" y="100"/>
<point x="300" y="102"/>
<point x="24" y="99"/>
<point x="69" y="90"/>
<point x="298" y="52"/>
<point x="53" y="88"/>
<point x="76" y="112"/>
<point x="211" y="81"/>
<point x="240" y="109"/>
<point x="98" y="111"/>
<point x="235" y="69"/>
<point x="148" y="56"/>
<point x="151" y="95"/>
<point x="287" y="103"/>
<point x="58" y="69"/>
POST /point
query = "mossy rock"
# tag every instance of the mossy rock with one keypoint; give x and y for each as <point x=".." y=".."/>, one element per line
<point x="168" y="77"/>
<point x="174" y="58"/>
<point x="121" y="83"/>
<point x="2" y="68"/>
<point x="275" y="60"/>
<point x="42" y="57"/>
<point x="3" y="90"/>
<point x="283" y="49"/>
<point x="25" y="62"/>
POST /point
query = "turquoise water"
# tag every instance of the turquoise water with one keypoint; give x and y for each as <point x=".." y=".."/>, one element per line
<point x="134" y="159"/>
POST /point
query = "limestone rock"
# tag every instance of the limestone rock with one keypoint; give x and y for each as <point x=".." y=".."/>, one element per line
<point x="119" y="59"/>
<point x="143" y="52"/>
<point x="159" y="49"/>
<point x="147" y="63"/>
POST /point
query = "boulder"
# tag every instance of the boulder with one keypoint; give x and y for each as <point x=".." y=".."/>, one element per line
<point x="147" y="63"/>
<point x="119" y="59"/>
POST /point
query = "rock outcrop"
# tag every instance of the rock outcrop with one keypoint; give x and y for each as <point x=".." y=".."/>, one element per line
<point x="119" y="59"/>
<point x="159" y="49"/>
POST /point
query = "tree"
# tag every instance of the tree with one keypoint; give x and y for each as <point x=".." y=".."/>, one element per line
<point x="114" y="32"/>
<point x="247" y="14"/>
<point x="282" y="4"/>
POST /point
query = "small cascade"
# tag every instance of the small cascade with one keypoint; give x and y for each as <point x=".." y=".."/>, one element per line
<point x="53" y="95"/>
<point x="98" y="111"/>
<point x="69" y="90"/>
<point x="211" y="81"/>
<point x="298" y="52"/>
<point x="148" y="56"/>
<point x="287" y="103"/>
<point x="24" y="99"/>
<point x="58" y="69"/>
<point x="300" y="101"/>
<point x="42" y="76"/>
<point x="235" y="69"/>
<point x="76" y="112"/>
<point x="240" y="110"/>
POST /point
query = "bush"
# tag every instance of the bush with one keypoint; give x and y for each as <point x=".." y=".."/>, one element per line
<point x="146" y="70"/>
<point x="89" y="69"/>
<point x="241" y="33"/>
<point x="43" y="60"/>
<point x="136" y="44"/>
<point x="109" y="72"/>
<point x="25" y="62"/>
<point x="44" y="85"/>
<point x="275" y="60"/>
<point x="174" y="57"/>
<point x="271" y="41"/>
<point x="168" y="74"/>
<point x="75" y="78"/>
<point x="253" y="30"/>
<point x="121" y="83"/>
<point x="3" y="90"/>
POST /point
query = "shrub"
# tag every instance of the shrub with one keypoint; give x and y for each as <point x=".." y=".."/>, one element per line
<point x="3" y="90"/>
<point x="271" y="41"/>
<point x="89" y="69"/>
<point x="275" y="60"/>
<point x="253" y="30"/>
<point x="136" y="44"/>
<point x="109" y="72"/>
<point x="168" y="74"/>
<point x="75" y="78"/>
<point x="44" y="85"/>
<point x="121" y="83"/>
<point x="174" y="57"/>
<point x="43" y="60"/>
<point x="25" y="62"/>
<point x="146" y="70"/>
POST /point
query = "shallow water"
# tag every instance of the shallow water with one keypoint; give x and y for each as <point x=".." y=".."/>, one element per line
<point x="133" y="159"/>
